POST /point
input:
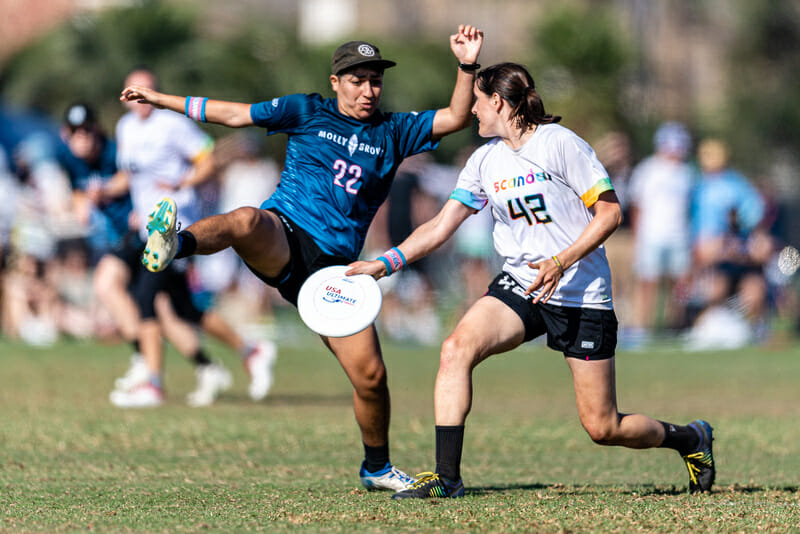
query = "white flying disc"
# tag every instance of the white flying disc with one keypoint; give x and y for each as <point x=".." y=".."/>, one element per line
<point x="334" y="305"/>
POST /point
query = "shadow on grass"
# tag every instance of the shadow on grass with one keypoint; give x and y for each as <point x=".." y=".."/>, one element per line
<point x="644" y="490"/>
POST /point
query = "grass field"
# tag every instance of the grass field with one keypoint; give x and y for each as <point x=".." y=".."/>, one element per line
<point x="70" y="462"/>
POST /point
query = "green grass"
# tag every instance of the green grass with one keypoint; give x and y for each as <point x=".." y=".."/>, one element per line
<point x="70" y="462"/>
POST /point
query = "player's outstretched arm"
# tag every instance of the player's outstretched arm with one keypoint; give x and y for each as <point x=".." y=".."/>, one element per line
<point x="425" y="239"/>
<point x="232" y="114"/>
<point x="466" y="45"/>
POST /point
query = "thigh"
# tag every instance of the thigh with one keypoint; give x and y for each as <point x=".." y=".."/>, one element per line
<point x="359" y="354"/>
<point x="265" y="247"/>
<point x="489" y="327"/>
<point x="594" y="382"/>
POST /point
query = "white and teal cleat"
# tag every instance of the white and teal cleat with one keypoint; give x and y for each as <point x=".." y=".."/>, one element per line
<point x="162" y="236"/>
<point x="388" y="478"/>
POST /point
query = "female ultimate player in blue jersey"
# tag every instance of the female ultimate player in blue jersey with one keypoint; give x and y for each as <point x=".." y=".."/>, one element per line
<point x="341" y="157"/>
<point x="553" y="206"/>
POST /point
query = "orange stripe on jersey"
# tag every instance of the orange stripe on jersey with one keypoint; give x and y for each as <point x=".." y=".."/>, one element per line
<point x="204" y="153"/>
<point x="591" y="196"/>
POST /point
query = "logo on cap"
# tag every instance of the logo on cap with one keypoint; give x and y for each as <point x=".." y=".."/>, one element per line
<point x="366" y="50"/>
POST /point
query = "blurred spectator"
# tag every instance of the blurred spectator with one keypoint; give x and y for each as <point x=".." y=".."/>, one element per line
<point x="89" y="158"/>
<point x="730" y="251"/>
<point x="659" y="205"/>
<point x="9" y="189"/>
<point x="724" y="201"/>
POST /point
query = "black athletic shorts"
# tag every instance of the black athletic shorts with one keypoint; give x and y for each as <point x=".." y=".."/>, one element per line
<point x="305" y="259"/>
<point x="583" y="333"/>
<point x="144" y="285"/>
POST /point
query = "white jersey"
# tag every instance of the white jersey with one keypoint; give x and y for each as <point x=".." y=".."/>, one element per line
<point x="661" y="189"/>
<point x="540" y="196"/>
<point x="157" y="152"/>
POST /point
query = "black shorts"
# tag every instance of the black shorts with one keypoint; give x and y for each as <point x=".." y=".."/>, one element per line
<point x="583" y="333"/>
<point x="144" y="285"/>
<point x="173" y="282"/>
<point x="305" y="258"/>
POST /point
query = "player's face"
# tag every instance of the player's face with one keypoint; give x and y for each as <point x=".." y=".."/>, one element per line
<point x="358" y="92"/>
<point x="485" y="110"/>
<point x="84" y="144"/>
<point x="145" y="79"/>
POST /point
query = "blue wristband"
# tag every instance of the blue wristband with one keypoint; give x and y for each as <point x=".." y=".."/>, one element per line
<point x="203" y="110"/>
<point x="186" y="106"/>
<point x="387" y="264"/>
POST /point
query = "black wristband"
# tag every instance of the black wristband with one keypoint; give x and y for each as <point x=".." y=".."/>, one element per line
<point x="469" y="67"/>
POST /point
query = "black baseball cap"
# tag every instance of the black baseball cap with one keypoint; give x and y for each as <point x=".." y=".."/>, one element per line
<point x="79" y="115"/>
<point x="355" y="53"/>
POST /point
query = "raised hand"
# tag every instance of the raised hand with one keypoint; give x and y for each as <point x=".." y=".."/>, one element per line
<point x="466" y="44"/>
<point x="142" y="95"/>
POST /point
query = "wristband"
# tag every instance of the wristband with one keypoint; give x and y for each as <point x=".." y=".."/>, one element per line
<point x="469" y="67"/>
<point x="393" y="259"/>
<point x="195" y="108"/>
<point x="558" y="264"/>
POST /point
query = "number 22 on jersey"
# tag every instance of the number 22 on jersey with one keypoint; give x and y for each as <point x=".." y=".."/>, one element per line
<point x="351" y="172"/>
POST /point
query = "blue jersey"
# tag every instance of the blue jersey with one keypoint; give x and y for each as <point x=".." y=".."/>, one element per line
<point x="338" y="170"/>
<point x="81" y="173"/>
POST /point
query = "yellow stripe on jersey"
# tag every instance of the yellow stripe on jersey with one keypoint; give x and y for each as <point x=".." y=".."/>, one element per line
<point x="591" y="196"/>
<point x="204" y="152"/>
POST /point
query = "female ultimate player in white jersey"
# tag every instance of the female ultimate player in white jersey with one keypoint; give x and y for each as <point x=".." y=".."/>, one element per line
<point x="553" y="207"/>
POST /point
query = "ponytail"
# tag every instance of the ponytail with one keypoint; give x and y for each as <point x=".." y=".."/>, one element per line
<point x="514" y="84"/>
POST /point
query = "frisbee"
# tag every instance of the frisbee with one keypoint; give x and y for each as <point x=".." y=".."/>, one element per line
<point x="334" y="305"/>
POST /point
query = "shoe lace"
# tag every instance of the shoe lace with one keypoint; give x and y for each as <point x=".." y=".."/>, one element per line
<point x="402" y="476"/>
<point x="424" y="479"/>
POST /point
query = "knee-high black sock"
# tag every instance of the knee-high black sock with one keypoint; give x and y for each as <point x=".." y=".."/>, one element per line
<point x="376" y="458"/>
<point x="683" y="439"/>
<point x="187" y="244"/>
<point x="200" y="358"/>
<point x="449" y="443"/>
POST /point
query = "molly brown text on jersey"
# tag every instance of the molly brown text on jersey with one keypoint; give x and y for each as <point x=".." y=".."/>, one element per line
<point x="351" y="143"/>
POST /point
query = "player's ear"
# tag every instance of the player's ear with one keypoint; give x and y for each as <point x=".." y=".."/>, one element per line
<point x="497" y="101"/>
<point x="334" y="83"/>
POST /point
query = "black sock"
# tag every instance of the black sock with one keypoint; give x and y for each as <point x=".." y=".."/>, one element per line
<point x="376" y="458"/>
<point x="200" y="358"/>
<point x="135" y="345"/>
<point x="683" y="439"/>
<point x="187" y="244"/>
<point x="449" y="443"/>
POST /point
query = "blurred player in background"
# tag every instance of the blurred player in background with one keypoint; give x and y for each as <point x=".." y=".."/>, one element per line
<point x="659" y="194"/>
<point x="553" y="206"/>
<point x="341" y="158"/>
<point x="161" y="153"/>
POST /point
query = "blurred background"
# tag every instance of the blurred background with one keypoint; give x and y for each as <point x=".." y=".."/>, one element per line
<point x="702" y="93"/>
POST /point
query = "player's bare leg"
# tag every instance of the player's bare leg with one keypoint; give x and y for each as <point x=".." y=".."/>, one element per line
<point x="111" y="279"/>
<point x="256" y="235"/>
<point x="468" y="345"/>
<point x="596" y="399"/>
<point x="360" y="357"/>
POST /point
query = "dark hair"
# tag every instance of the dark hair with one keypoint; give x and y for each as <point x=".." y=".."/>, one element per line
<point x="514" y="84"/>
